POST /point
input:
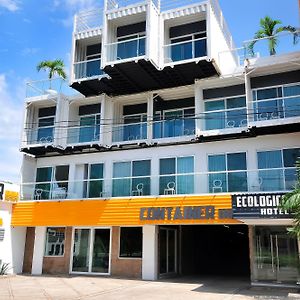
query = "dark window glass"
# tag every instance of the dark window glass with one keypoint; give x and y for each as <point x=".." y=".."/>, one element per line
<point x="290" y="156"/>
<point x="167" y="166"/>
<point x="131" y="242"/>
<point x="236" y="161"/>
<point x="55" y="241"/>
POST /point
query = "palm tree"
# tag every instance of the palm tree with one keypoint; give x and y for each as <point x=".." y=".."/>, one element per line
<point x="269" y="29"/>
<point x="54" y="67"/>
<point x="291" y="202"/>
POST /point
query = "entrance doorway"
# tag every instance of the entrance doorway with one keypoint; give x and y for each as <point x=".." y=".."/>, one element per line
<point x="167" y="251"/>
<point x="91" y="250"/>
<point x="214" y="250"/>
<point x="276" y="256"/>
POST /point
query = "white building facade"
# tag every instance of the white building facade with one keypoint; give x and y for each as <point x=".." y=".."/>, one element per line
<point x="171" y="161"/>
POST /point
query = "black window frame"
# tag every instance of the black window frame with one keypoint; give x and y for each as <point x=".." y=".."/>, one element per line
<point x="138" y="243"/>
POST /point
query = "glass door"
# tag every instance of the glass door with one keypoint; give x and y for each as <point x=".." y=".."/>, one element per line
<point x="91" y="251"/>
<point x="167" y="251"/>
<point x="276" y="256"/>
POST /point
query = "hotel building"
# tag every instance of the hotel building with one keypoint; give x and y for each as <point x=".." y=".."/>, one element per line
<point x="168" y="156"/>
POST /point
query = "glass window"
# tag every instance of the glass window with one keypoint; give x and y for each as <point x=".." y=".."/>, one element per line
<point x="55" y="241"/>
<point x="170" y="182"/>
<point x="269" y="159"/>
<point x="293" y="90"/>
<point x="269" y="93"/>
<point x="277" y="170"/>
<point x="224" y="181"/>
<point x="131" y="241"/>
<point x="42" y="190"/>
<point x="225" y="113"/>
<point x="137" y="181"/>
<point x="290" y="157"/>
<point x="95" y="188"/>
<point x="89" y="128"/>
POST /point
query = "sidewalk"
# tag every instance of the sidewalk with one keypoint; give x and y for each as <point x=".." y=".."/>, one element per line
<point x="92" y="288"/>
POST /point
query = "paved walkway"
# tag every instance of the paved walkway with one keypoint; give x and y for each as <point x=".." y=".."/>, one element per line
<point x="92" y="288"/>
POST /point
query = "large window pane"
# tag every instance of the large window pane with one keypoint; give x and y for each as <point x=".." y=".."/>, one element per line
<point x="268" y="93"/>
<point x="237" y="181"/>
<point x="236" y="102"/>
<point x="271" y="180"/>
<point x="217" y="183"/>
<point x="141" y="168"/>
<point x="214" y="105"/>
<point x="236" y="118"/>
<point x="185" y="165"/>
<point x="290" y="157"/>
<point x="293" y="90"/>
<point x="290" y="176"/>
<point x="42" y="190"/>
<point x="269" y="159"/>
<point x="185" y="184"/>
<point x="167" y="166"/>
<point x="215" y="120"/>
<point x="81" y="250"/>
<point x="292" y="107"/>
<point x="131" y="240"/>
<point x="95" y="186"/>
<point x="236" y="161"/>
<point x="60" y="182"/>
<point x="122" y="169"/>
<point x="216" y="163"/>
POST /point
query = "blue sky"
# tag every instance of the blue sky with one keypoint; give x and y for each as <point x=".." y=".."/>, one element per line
<point x="32" y="30"/>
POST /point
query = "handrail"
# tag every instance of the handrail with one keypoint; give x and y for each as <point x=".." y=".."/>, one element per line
<point x="125" y="41"/>
<point x="86" y="61"/>
<point x="185" y="42"/>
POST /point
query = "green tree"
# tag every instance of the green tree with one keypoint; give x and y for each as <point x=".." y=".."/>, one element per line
<point x="291" y="202"/>
<point x="53" y="67"/>
<point x="269" y="29"/>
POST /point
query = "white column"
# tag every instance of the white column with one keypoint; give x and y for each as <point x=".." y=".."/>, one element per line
<point x="38" y="250"/>
<point x="150" y="249"/>
<point x="18" y="237"/>
<point x="150" y="117"/>
<point x="249" y="99"/>
<point x="199" y="108"/>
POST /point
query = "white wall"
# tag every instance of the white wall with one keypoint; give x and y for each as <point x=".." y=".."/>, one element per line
<point x="38" y="250"/>
<point x="150" y="255"/>
<point x="12" y="247"/>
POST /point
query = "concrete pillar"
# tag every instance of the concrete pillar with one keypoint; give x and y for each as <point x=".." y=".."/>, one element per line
<point x="150" y="117"/>
<point x="38" y="250"/>
<point x="150" y="252"/>
<point x="199" y="109"/>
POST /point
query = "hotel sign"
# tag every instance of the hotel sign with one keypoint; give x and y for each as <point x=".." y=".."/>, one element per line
<point x="254" y="206"/>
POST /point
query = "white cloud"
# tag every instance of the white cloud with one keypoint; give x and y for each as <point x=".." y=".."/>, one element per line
<point x="29" y="51"/>
<point x="10" y="130"/>
<point x="11" y="5"/>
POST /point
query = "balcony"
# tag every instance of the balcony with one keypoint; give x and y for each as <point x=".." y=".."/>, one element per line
<point x="263" y="180"/>
<point x="185" y="50"/>
<point x="174" y="127"/>
<point x="87" y="21"/>
<point x="130" y="132"/>
<point x="88" y="69"/>
<point x="126" y="50"/>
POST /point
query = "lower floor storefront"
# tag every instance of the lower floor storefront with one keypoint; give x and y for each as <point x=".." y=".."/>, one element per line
<point x="263" y="254"/>
<point x="220" y="235"/>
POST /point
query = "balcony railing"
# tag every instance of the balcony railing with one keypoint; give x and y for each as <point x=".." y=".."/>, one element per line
<point x="117" y="4"/>
<point x="127" y="49"/>
<point x="87" y="69"/>
<point x="185" y="50"/>
<point x="264" y="180"/>
<point x="83" y="134"/>
<point x="50" y="87"/>
<point x="40" y="136"/>
<point x="88" y="19"/>
<point x="277" y="108"/>
<point x="174" y="128"/>
<point x="130" y="132"/>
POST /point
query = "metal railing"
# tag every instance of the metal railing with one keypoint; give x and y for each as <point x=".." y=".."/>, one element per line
<point x="166" y="5"/>
<point x="131" y="48"/>
<point x="129" y="132"/>
<point x="50" y="87"/>
<point x="185" y="50"/>
<point x="89" y="19"/>
<point x="264" y="180"/>
<point x="117" y="4"/>
<point x="83" y="134"/>
<point x="174" y="128"/>
<point x="38" y="136"/>
<point x="87" y="69"/>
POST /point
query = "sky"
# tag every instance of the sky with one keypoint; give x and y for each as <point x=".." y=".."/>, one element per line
<point x="35" y="30"/>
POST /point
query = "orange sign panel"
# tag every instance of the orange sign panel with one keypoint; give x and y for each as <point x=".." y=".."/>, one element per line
<point x="211" y="209"/>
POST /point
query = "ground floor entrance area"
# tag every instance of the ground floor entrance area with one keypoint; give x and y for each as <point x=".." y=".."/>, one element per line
<point x="212" y="250"/>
